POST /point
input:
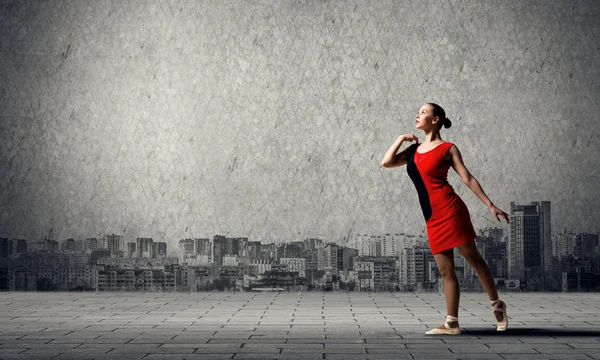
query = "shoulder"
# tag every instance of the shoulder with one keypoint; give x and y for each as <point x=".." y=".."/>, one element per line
<point x="450" y="146"/>
<point x="450" y="150"/>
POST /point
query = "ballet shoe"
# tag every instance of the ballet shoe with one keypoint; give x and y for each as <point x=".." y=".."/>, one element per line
<point x="448" y="330"/>
<point x="500" y="306"/>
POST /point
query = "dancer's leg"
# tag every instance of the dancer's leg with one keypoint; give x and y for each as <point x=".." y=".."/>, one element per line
<point x="470" y="252"/>
<point x="445" y="263"/>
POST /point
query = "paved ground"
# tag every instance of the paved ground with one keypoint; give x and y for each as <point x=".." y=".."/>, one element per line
<point x="309" y="325"/>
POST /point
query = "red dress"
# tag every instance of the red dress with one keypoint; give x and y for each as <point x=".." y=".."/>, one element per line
<point x="446" y="216"/>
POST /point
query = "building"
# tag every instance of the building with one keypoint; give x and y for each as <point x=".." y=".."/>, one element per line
<point x="115" y="244"/>
<point x="231" y="260"/>
<point x="253" y="250"/>
<point x="131" y="253"/>
<point x="563" y="244"/>
<point x="202" y="246"/>
<point x="5" y="247"/>
<point x="494" y="252"/>
<point x="50" y="271"/>
<point x="159" y="249"/>
<point x="91" y="244"/>
<point x="151" y="278"/>
<point x="143" y="247"/>
<point x="585" y="245"/>
<point x="530" y="242"/>
<point x="223" y="245"/>
<point x="38" y="246"/>
<point x="545" y="215"/>
<point x="297" y="264"/>
<point x="313" y="243"/>
<point x="415" y="265"/>
<point x="267" y="252"/>
<point x="345" y="258"/>
<point x="68" y="245"/>
<point x="187" y="248"/>
<point x="287" y="250"/>
<point x="20" y="247"/>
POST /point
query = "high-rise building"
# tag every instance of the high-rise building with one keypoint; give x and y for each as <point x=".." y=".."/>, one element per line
<point x="313" y="243"/>
<point x="345" y="258"/>
<point x="375" y="246"/>
<point x="253" y="250"/>
<point x="68" y="245"/>
<point x="288" y="250"/>
<point x="585" y="245"/>
<point x="4" y="248"/>
<point x="21" y="246"/>
<point x="361" y="242"/>
<point x="38" y="245"/>
<point x="131" y="250"/>
<point x="268" y="252"/>
<point x="415" y="265"/>
<point x="222" y="245"/>
<point x="545" y="215"/>
<point x="494" y="252"/>
<point x="102" y="243"/>
<point x="202" y="246"/>
<point x="159" y="250"/>
<point x="495" y="233"/>
<point x="187" y="248"/>
<point x="327" y="258"/>
<point x="80" y="246"/>
<point x="563" y="243"/>
<point x="52" y="246"/>
<point x="91" y="244"/>
<point x="143" y="246"/>
<point x="115" y="244"/>
<point x="243" y="246"/>
<point x="530" y="242"/>
<point x="391" y="244"/>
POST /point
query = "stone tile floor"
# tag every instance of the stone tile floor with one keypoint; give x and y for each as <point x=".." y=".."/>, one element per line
<point x="295" y="325"/>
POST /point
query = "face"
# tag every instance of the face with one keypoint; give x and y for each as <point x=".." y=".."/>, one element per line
<point x="424" y="119"/>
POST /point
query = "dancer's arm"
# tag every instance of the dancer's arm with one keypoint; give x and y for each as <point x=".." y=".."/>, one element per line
<point x="391" y="159"/>
<point x="472" y="183"/>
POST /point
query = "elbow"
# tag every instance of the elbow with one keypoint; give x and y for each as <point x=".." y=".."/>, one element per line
<point x="384" y="164"/>
<point x="468" y="180"/>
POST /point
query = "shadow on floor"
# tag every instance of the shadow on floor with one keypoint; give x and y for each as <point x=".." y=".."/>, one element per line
<point x="532" y="332"/>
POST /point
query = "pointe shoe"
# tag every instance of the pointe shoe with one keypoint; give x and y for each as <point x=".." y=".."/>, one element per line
<point x="500" y="305"/>
<point x="448" y="330"/>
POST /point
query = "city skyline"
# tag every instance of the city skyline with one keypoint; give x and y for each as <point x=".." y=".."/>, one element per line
<point x="173" y="241"/>
<point x="528" y="255"/>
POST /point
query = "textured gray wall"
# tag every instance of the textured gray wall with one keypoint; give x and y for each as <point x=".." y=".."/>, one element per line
<point x="270" y="119"/>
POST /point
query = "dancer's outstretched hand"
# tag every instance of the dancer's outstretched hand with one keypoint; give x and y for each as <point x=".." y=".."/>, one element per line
<point x="495" y="211"/>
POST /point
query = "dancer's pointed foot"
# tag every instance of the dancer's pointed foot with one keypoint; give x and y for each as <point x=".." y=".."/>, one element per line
<point x="499" y="309"/>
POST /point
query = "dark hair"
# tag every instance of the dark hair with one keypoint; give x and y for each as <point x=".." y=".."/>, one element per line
<point x="438" y="111"/>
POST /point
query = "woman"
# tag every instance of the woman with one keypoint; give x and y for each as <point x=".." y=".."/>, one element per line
<point x="446" y="216"/>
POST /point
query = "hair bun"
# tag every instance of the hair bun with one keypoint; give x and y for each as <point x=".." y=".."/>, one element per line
<point x="447" y="123"/>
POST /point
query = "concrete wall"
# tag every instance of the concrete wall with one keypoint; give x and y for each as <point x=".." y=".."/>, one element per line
<point x="269" y="120"/>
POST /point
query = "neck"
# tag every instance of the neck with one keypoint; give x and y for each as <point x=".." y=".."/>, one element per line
<point x="432" y="135"/>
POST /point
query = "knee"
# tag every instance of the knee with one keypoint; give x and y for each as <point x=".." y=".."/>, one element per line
<point x="448" y="273"/>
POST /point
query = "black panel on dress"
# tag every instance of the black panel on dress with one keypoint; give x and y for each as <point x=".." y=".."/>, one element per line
<point x="415" y="175"/>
